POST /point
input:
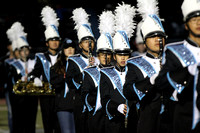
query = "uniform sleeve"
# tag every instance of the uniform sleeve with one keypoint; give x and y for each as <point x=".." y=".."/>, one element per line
<point x="133" y="75"/>
<point x="109" y="105"/>
<point x="87" y="90"/>
<point x="104" y="91"/>
<point x="73" y="72"/>
<point x="16" y="76"/>
<point x="172" y="75"/>
<point x="37" y="71"/>
<point x="8" y="77"/>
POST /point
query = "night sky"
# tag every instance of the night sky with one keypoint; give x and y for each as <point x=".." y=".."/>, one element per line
<point x="28" y="13"/>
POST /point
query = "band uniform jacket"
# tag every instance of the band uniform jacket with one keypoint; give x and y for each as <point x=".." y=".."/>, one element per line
<point x="74" y="74"/>
<point x="89" y="92"/>
<point x="111" y="98"/>
<point x="63" y="102"/>
<point x="24" y="107"/>
<point x="47" y="102"/>
<point x="175" y="79"/>
<point x="138" y="88"/>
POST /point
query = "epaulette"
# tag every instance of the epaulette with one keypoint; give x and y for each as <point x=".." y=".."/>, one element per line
<point x="89" y="67"/>
<point x="110" y="67"/>
<point x="135" y="57"/>
<point x="173" y="44"/>
<point x="75" y="55"/>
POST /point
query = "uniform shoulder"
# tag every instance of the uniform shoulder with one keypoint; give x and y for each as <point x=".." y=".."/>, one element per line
<point x="180" y="43"/>
<point x="110" y="67"/>
<point x="134" y="58"/>
<point x="105" y="69"/>
<point x="39" y="53"/>
<point x="90" y="67"/>
<point x="75" y="55"/>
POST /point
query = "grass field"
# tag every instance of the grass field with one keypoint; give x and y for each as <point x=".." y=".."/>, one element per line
<point x="4" y="120"/>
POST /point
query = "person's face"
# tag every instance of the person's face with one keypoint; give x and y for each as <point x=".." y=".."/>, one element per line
<point x="69" y="51"/>
<point x="85" y="45"/>
<point x="53" y="44"/>
<point x="9" y="47"/>
<point x="194" y="24"/>
<point x="121" y="59"/>
<point x="102" y="58"/>
<point x="154" y="44"/>
<point x="16" y="54"/>
<point x="24" y="52"/>
<point x="141" y="47"/>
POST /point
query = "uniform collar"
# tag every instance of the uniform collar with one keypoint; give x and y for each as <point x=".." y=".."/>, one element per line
<point x="22" y="60"/>
<point x="190" y="41"/>
<point x="150" y="55"/>
<point x="102" y="66"/>
<point x="85" y="56"/>
<point x="51" y="53"/>
<point x="120" y="69"/>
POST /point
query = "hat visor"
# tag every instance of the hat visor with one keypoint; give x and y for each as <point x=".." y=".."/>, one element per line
<point x="24" y="47"/>
<point x="54" y="39"/>
<point x="192" y="14"/>
<point x="104" y="51"/>
<point x="156" y="34"/>
<point x="87" y="38"/>
<point x="122" y="51"/>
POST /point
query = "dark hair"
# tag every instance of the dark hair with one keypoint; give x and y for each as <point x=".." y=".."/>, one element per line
<point x="60" y="65"/>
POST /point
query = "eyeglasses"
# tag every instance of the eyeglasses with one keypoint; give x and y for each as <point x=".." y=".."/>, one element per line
<point x="194" y="20"/>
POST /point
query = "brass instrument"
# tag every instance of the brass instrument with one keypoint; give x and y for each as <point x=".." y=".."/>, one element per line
<point x="161" y="50"/>
<point x="90" y="52"/>
<point x="28" y="88"/>
<point x="126" y="118"/>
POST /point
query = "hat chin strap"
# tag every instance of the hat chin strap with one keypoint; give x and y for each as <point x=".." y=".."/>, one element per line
<point x="84" y="50"/>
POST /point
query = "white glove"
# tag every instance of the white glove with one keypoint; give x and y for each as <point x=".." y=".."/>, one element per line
<point x="37" y="82"/>
<point x="121" y="108"/>
<point x="152" y="78"/>
<point x="192" y="69"/>
<point x="24" y="78"/>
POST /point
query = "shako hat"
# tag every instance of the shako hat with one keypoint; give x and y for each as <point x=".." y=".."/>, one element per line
<point x="50" y="21"/>
<point x="20" y="35"/>
<point x="152" y="25"/>
<point x="82" y="25"/>
<point x="124" y="28"/>
<point x="106" y="29"/>
<point x="190" y="8"/>
<point x="12" y="38"/>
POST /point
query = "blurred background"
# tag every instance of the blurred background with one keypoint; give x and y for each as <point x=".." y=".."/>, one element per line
<point x="28" y="13"/>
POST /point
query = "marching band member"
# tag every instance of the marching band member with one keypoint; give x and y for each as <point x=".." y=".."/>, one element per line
<point x="139" y="85"/>
<point x="24" y="108"/>
<point x="179" y="74"/>
<point x="78" y="62"/>
<point x="8" y="85"/>
<point x="139" y="43"/>
<point x="112" y="79"/>
<point x="64" y="101"/>
<point x="42" y="68"/>
<point x="90" y="88"/>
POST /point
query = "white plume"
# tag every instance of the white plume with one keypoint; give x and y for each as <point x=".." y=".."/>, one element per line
<point x="49" y="17"/>
<point x="147" y="7"/>
<point x="124" y="15"/>
<point x="107" y="22"/>
<point x="80" y="17"/>
<point x="11" y="35"/>
<point x="18" y="29"/>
